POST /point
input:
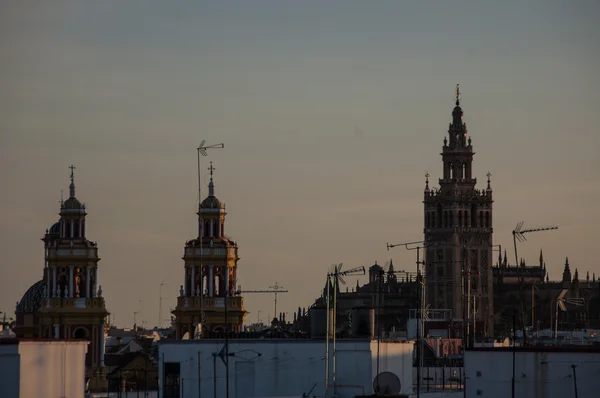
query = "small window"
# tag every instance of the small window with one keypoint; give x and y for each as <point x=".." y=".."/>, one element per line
<point x="172" y="379"/>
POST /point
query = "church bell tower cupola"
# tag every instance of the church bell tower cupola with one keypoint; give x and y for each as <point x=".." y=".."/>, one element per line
<point x="72" y="306"/>
<point x="210" y="273"/>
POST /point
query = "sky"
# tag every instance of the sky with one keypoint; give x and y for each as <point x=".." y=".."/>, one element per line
<point x="330" y="112"/>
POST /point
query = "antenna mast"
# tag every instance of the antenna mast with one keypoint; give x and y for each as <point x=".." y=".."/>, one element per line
<point x="202" y="151"/>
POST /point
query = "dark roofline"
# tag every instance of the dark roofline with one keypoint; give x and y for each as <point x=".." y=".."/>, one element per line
<point x="16" y="340"/>
<point x="588" y="349"/>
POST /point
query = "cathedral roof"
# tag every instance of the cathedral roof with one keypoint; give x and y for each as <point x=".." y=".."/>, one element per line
<point x="32" y="299"/>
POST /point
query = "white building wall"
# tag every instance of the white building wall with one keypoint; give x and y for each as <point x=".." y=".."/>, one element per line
<point x="537" y="374"/>
<point x="43" y="369"/>
<point x="284" y="367"/>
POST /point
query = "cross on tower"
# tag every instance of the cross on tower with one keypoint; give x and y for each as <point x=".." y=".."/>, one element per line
<point x="211" y="168"/>
<point x="72" y="171"/>
<point x="488" y="175"/>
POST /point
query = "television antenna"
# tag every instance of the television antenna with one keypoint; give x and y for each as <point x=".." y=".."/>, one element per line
<point x="519" y="234"/>
<point x="275" y="289"/>
<point x="337" y="275"/>
<point x="201" y="150"/>
<point x="561" y="300"/>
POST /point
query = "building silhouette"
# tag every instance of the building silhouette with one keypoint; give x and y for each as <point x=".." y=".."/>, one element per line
<point x="458" y="233"/>
<point x="210" y="266"/>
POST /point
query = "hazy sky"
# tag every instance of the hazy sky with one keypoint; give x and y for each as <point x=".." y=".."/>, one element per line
<point x="331" y="113"/>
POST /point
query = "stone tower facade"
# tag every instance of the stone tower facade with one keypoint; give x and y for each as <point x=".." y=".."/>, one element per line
<point x="210" y="266"/>
<point x="458" y="234"/>
<point x="67" y="303"/>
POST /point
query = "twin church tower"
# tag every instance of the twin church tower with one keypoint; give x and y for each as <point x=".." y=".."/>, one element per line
<point x="67" y="303"/>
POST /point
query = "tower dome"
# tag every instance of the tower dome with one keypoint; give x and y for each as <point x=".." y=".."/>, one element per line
<point x="32" y="299"/>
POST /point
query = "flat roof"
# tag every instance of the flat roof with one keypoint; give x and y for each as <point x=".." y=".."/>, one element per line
<point x="281" y="340"/>
<point x="592" y="349"/>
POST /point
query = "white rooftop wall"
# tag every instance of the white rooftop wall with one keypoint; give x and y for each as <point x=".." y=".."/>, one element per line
<point x="43" y="369"/>
<point x="285" y="367"/>
<point x="538" y="374"/>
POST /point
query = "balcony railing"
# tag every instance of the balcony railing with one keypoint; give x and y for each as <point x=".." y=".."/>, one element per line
<point x="211" y="303"/>
<point x="75" y="304"/>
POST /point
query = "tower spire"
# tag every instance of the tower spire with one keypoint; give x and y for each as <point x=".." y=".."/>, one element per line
<point x="211" y="184"/>
<point x="72" y="185"/>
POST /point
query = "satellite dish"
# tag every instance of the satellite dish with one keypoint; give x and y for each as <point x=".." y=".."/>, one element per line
<point x="386" y="383"/>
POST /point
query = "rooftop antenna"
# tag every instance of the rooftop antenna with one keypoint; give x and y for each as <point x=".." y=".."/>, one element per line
<point x="418" y="245"/>
<point x="518" y="234"/>
<point x="201" y="150"/>
<point x="337" y="275"/>
<point x="276" y="289"/>
<point x="160" y="304"/>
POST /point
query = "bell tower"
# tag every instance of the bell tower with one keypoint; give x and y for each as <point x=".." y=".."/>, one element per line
<point x="73" y="307"/>
<point x="208" y="297"/>
<point x="458" y="232"/>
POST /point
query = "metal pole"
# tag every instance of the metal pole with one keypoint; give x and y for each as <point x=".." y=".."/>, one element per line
<point x="200" y="239"/>
<point x="379" y="282"/>
<point x="514" y="352"/>
<point x="226" y="347"/>
<point x="419" y="317"/>
<point x="199" y="377"/>
<point x="575" y="380"/>
<point x="215" y="375"/>
<point x="335" y="285"/>
<point x="556" y="324"/>
<point x="327" y="337"/>
<point x="465" y="313"/>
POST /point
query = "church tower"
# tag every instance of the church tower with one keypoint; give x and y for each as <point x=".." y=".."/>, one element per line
<point x="208" y="298"/>
<point x="68" y="302"/>
<point x="458" y="233"/>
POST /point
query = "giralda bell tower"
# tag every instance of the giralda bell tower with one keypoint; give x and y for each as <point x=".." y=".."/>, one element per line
<point x="458" y="231"/>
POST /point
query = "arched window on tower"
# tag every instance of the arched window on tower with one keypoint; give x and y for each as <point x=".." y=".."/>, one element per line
<point x="481" y="224"/>
<point x="205" y="285"/>
<point x="487" y="219"/>
<point x="451" y="170"/>
<point x="460" y="218"/>
<point x="76" y="232"/>
<point x="451" y="220"/>
<point x="464" y="171"/>
<point x="206" y="228"/>
<point x="216" y="229"/>
<point x="439" y="216"/>
<point x="217" y="286"/>
<point x="83" y="229"/>
<point x="222" y="228"/>
<point x="473" y="216"/>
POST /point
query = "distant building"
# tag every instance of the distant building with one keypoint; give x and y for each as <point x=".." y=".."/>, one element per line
<point x="42" y="368"/>
<point x="67" y="302"/>
<point x="458" y="233"/>
<point x="210" y="266"/>
<point x="527" y="294"/>
<point x="357" y="309"/>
